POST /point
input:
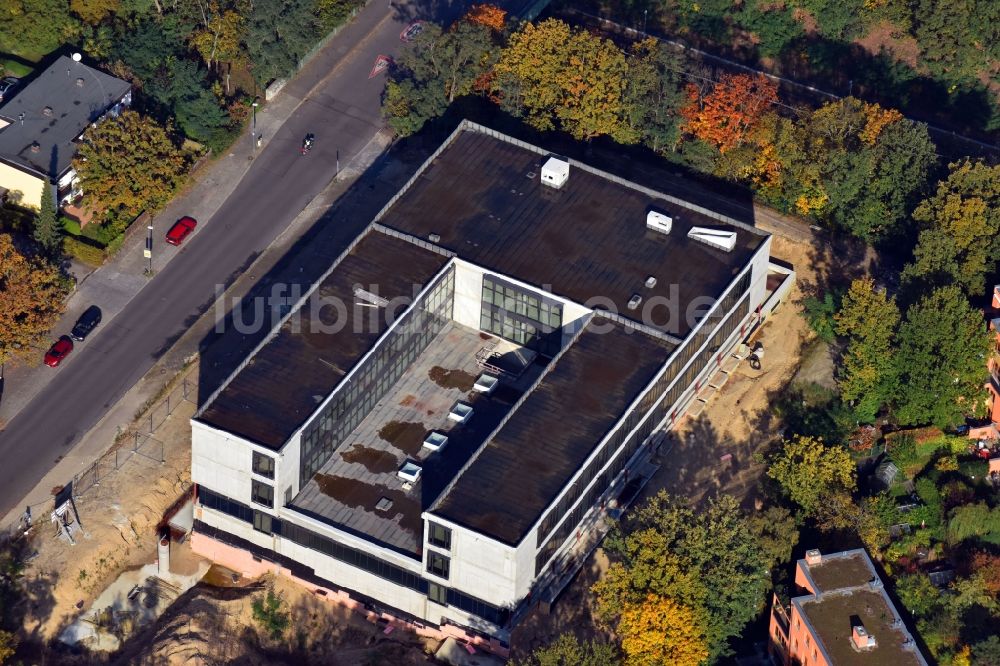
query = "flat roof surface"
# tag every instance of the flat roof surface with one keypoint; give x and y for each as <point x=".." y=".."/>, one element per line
<point x="73" y="107"/>
<point x="840" y="570"/>
<point x="345" y="491"/>
<point x="483" y="197"/>
<point x="285" y="381"/>
<point x="845" y="597"/>
<point x="831" y="617"/>
<point x="521" y="470"/>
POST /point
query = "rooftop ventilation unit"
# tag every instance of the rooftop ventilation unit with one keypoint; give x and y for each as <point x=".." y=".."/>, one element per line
<point x="47" y="112"/>
<point x="555" y="172"/>
<point x="486" y="383"/>
<point x="435" y="441"/>
<point x="650" y="282"/>
<point x="723" y="240"/>
<point x="434" y="238"/>
<point x="659" y="222"/>
<point x="368" y="299"/>
<point x="633" y="302"/>
<point x="384" y="504"/>
<point x="79" y="82"/>
<point x="409" y="472"/>
<point x="460" y="413"/>
<point x="862" y="639"/>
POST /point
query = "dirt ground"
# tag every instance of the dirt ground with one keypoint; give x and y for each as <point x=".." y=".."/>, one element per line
<point x="213" y="625"/>
<point x="737" y="422"/>
<point x="118" y="518"/>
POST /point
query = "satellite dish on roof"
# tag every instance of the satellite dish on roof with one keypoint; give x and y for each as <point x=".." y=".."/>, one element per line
<point x="77" y="57"/>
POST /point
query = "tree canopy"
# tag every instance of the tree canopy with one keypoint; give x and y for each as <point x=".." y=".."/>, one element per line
<point x="568" y="650"/>
<point x="960" y="240"/>
<point x="708" y="561"/>
<point x="552" y="73"/>
<point x="32" y="297"/>
<point x="129" y="164"/>
<point x="659" y="631"/>
<point x="868" y="318"/>
<point x="727" y="115"/>
<point x="941" y="360"/>
<point x="808" y="470"/>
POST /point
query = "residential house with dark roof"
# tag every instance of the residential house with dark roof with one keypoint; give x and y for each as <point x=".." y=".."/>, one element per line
<point x="437" y="430"/>
<point x="41" y="124"/>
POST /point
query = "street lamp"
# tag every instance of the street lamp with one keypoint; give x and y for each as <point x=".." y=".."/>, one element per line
<point x="253" y="131"/>
<point x="645" y="13"/>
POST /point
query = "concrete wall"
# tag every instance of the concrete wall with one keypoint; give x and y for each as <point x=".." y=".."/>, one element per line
<point x="480" y="566"/>
<point x="469" y="300"/>
<point x="23" y="188"/>
<point x="223" y="463"/>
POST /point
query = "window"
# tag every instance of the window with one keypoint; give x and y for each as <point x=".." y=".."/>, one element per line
<point x="439" y="536"/>
<point x="438" y="564"/>
<point x="262" y="522"/>
<point x="288" y="495"/>
<point x="521" y="316"/>
<point x="261" y="493"/>
<point x="437" y="593"/>
<point x="263" y="465"/>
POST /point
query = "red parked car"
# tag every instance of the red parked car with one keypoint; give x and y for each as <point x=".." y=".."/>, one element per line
<point x="181" y="229"/>
<point x="59" y="350"/>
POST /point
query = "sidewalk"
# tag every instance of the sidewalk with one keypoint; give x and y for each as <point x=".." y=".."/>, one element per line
<point x="122" y="278"/>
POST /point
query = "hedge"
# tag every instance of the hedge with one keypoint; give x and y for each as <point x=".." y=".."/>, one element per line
<point x="88" y="253"/>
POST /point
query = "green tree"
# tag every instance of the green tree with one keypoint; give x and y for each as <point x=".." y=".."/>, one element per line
<point x="709" y="559"/>
<point x="218" y="40"/>
<point x="278" y="35"/>
<point x="960" y="242"/>
<point x="777" y="532"/>
<point x="269" y="611"/>
<point x="940" y="362"/>
<point x="128" y="164"/>
<point x="94" y="11"/>
<point x="32" y="297"/>
<point x="986" y="652"/>
<point x="920" y="596"/>
<point x="975" y="521"/>
<point x="48" y="230"/>
<point x="433" y="70"/>
<point x="568" y="650"/>
<point x="653" y="94"/>
<point x="808" y="470"/>
<point x="34" y="28"/>
<point x="868" y="318"/>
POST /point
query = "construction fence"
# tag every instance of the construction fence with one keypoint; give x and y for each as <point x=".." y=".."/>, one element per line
<point x="138" y="440"/>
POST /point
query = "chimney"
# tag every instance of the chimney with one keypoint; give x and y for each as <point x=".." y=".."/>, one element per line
<point x="47" y="112"/>
<point x="79" y="82"/>
<point x="35" y="147"/>
<point x="862" y="639"/>
<point x="813" y="557"/>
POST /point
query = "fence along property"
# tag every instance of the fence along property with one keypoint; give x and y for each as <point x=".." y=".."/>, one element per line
<point x="139" y="442"/>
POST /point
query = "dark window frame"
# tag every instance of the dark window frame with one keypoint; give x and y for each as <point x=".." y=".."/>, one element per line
<point x="438" y="562"/>
<point x="259" y="520"/>
<point x="267" y="470"/>
<point x="437" y="593"/>
<point x="445" y="542"/>
<point x="258" y="497"/>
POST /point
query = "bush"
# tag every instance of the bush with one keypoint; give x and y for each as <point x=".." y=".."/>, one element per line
<point x="100" y="233"/>
<point x="70" y="226"/>
<point x="115" y="245"/>
<point x="268" y="612"/>
<point x="87" y="252"/>
<point x="902" y="449"/>
<point x="819" y="314"/>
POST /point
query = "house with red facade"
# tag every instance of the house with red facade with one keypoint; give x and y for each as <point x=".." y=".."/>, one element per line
<point x="841" y="616"/>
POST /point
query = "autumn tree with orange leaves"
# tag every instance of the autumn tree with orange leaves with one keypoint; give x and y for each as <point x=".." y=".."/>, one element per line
<point x="661" y="632"/>
<point x="489" y="16"/>
<point x="32" y="296"/>
<point x="726" y="116"/>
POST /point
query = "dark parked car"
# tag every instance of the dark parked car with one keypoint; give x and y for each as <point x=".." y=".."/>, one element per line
<point x="87" y="322"/>
<point x="59" y="350"/>
<point x="181" y="229"/>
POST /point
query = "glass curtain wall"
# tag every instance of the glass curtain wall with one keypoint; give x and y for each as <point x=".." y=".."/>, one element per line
<point x="355" y="398"/>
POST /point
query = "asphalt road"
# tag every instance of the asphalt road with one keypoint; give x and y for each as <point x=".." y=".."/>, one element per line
<point x="343" y="112"/>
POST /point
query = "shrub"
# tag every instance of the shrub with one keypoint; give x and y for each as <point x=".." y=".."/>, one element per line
<point x="819" y="314"/>
<point x="79" y="248"/>
<point x="269" y="612"/>
<point x="115" y="245"/>
<point x="70" y="226"/>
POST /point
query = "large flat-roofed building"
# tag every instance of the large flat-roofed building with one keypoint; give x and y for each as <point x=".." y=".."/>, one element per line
<point x="440" y="423"/>
<point x="843" y="617"/>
